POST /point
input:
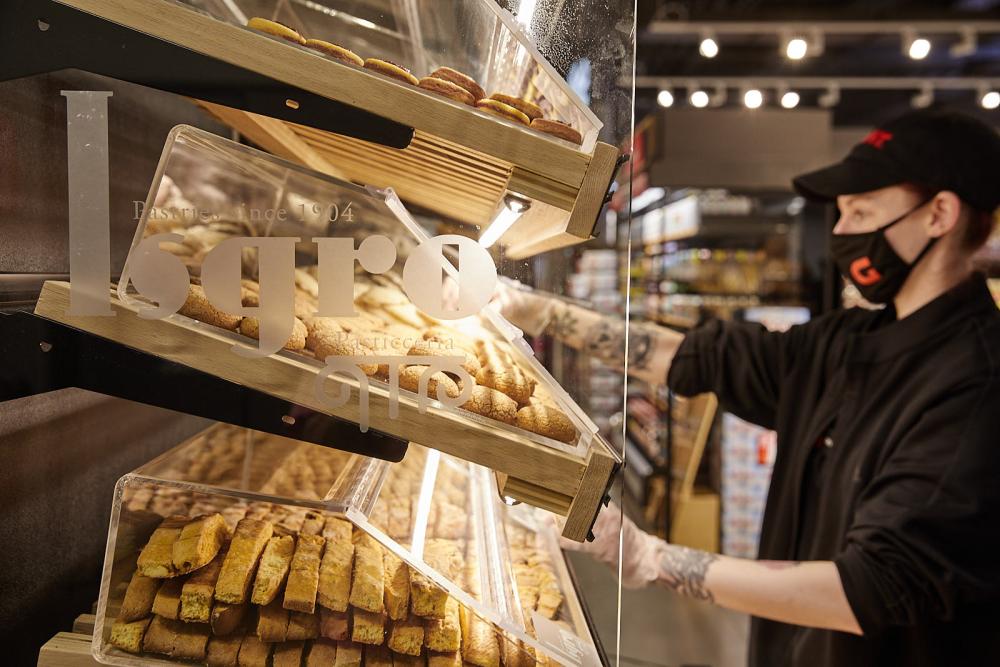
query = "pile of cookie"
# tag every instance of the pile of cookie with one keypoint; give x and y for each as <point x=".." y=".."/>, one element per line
<point x="443" y="81"/>
<point x="389" y="324"/>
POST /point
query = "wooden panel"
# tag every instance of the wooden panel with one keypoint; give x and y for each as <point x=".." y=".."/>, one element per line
<point x="590" y="497"/>
<point x="84" y="624"/>
<point x="533" y="494"/>
<point x="291" y="379"/>
<point x="66" y="649"/>
<point x="361" y="88"/>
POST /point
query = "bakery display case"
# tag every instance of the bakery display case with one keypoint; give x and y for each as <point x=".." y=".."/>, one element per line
<point x="238" y="544"/>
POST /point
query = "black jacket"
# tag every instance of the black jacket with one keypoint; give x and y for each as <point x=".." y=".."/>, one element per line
<point x="888" y="464"/>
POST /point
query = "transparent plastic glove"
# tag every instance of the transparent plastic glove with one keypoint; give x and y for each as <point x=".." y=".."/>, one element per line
<point x="641" y="552"/>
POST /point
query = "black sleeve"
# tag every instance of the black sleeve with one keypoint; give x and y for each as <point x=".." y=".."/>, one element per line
<point x="924" y="539"/>
<point x="742" y="363"/>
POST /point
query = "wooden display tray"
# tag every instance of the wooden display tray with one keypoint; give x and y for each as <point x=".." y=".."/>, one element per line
<point x="460" y="163"/>
<point x="568" y="483"/>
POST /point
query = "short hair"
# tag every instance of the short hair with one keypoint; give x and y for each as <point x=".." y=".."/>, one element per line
<point x="978" y="226"/>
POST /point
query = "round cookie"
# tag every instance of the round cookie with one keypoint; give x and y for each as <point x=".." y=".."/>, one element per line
<point x="277" y="29"/>
<point x="336" y="345"/>
<point x="529" y="109"/>
<point x="450" y="339"/>
<point x="493" y="404"/>
<point x="548" y="421"/>
<point x="320" y="326"/>
<point x="447" y="89"/>
<point x="470" y="364"/>
<point x="409" y="379"/>
<point x="197" y="307"/>
<point x="503" y="111"/>
<point x="335" y="52"/>
<point x="459" y="79"/>
<point x="250" y="326"/>
<point x="391" y="69"/>
<point x="508" y="379"/>
<point x="557" y="128"/>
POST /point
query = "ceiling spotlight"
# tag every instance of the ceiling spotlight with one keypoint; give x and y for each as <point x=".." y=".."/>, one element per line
<point x="753" y="98"/>
<point x="708" y="48"/>
<point x="796" y="48"/>
<point x="966" y="45"/>
<point x="665" y="98"/>
<point x="916" y="47"/>
<point x="831" y="97"/>
<point x="790" y="99"/>
<point x="699" y="99"/>
<point x="990" y="99"/>
<point x="924" y="98"/>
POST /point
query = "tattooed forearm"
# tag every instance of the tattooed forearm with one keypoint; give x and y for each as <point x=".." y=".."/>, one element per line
<point x="683" y="571"/>
<point x="778" y="564"/>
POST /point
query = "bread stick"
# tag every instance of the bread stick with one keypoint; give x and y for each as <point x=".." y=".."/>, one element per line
<point x="303" y="578"/>
<point x="254" y="652"/>
<point x="191" y="642"/>
<point x="427" y="598"/>
<point x="288" y="654"/>
<point x="227" y="618"/>
<point x="396" y="580"/>
<point x="223" y="651"/>
<point x="139" y="596"/>
<point x="199" y="542"/>
<point x="160" y="636"/>
<point x="333" y="624"/>
<point x="238" y="569"/>
<point x="199" y="590"/>
<point x="348" y="654"/>
<point x="156" y="559"/>
<point x="167" y="602"/>
<point x="128" y="635"/>
<point x="335" y="568"/>
<point x="367" y="585"/>
<point x="407" y="636"/>
<point x="367" y="627"/>
<point x="479" y="643"/>
<point x="321" y="653"/>
<point x="272" y="622"/>
<point x="444" y="634"/>
<point x="302" y="626"/>
<point x="275" y="562"/>
<point x="313" y="525"/>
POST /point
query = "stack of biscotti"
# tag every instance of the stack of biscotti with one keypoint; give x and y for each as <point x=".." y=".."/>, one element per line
<point x="534" y="573"/>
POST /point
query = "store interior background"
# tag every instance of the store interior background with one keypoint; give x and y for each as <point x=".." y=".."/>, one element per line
<point x="717" y="232"/>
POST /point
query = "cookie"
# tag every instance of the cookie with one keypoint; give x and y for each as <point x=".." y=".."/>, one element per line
<point x="339" y="345"/>
<point x="465" y="81"/>
<point x="529" y="109"/>
<point x="276" y="29"/>
<point x="447" y="89"/>
<point x="493" y="404"/>
<point x="336" y="52"/>
<point x="198" y="307"/>
<point x="250" y="327"/>
<point x="391" y="69"/>
<point x="503" y="111"/>
<point x="547" y="421"/>
<point x="509" y="379"/>
<point x="470" y="362"/>
<point x="557" y="128"/>
<point x="409" y="379"/>
<point x="318" y="327"/>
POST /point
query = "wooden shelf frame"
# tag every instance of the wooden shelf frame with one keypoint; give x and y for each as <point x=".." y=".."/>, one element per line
<point x="574" y="483"/>
<point x="459" y="164"/>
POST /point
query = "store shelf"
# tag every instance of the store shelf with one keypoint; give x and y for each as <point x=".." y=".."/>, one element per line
<point x="459" y="163"/>
<point x="573" y="480"/>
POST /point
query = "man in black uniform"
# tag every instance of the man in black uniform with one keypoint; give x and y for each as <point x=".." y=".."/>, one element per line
<point x="881" y="536"/>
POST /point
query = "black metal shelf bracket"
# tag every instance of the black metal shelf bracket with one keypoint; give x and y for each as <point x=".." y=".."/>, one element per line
<point x="42" y="36"/>
<point x="38" y="355"/>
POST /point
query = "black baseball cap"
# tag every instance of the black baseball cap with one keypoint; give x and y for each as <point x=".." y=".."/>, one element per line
<point x="936" y="149"/>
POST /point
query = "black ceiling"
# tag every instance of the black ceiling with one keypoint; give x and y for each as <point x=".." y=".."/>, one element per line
<point x="862" y="55"/>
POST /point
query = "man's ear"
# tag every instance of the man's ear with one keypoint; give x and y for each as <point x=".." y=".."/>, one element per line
<point x="945" y="210"/>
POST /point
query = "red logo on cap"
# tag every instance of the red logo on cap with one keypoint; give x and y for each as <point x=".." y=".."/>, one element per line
<point x="864" y="273"/>
<point x="877" y="138"/>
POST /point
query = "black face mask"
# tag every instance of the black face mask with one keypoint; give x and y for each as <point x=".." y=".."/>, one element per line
<point x="868" y="261"/>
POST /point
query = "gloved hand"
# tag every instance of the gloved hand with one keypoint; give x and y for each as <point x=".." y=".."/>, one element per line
<point x="526" y="310"/>
<point x="641" y="552"/>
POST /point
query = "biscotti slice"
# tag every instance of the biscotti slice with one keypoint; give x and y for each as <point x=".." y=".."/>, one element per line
<point x="302" y="626"/>
<point x="367" y="585"/>
<point x="139" y="596"/>
<point x="303" y="579"/>
<point x="550" y="597"/>
<point x="288" y="654"/>
<point x="313" y="524"/>
<point x="367" y="627"/>
<point x="199" y="590"/>
<point x="348" y="654"/>
<point x="378" y="656"/>
<point x="399" y="518"/>
<point x="427" y="599"/>
<point x="223" y="651"/>
<point x="157" y="558"/>
<point x="402" y="660"/>
<point x="127" y="635"/>
<point x="444" y="634"/>
<point x="199" y="542"/>
<point x="272" y="623"/>
<point x="334" y="624"/>
<point x="227" y="618"/>
<point x="321" y="653"/>
<point x="273" y="569"/>
<point x="407" y="636"/>
<point x="335" y="569"/>
<point x="515" y="653"/>
<point x="452" y="522"/>
<point x="167" y="602"/>
<point x="453" y="659"/>
<point x="479" y="642"/>
<point x="191" y="642"/>
<point x="396" y="579"/>
<point x="254" y="652"/>
<point x="238" y="569"/>
<point x="160" y="636"/>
